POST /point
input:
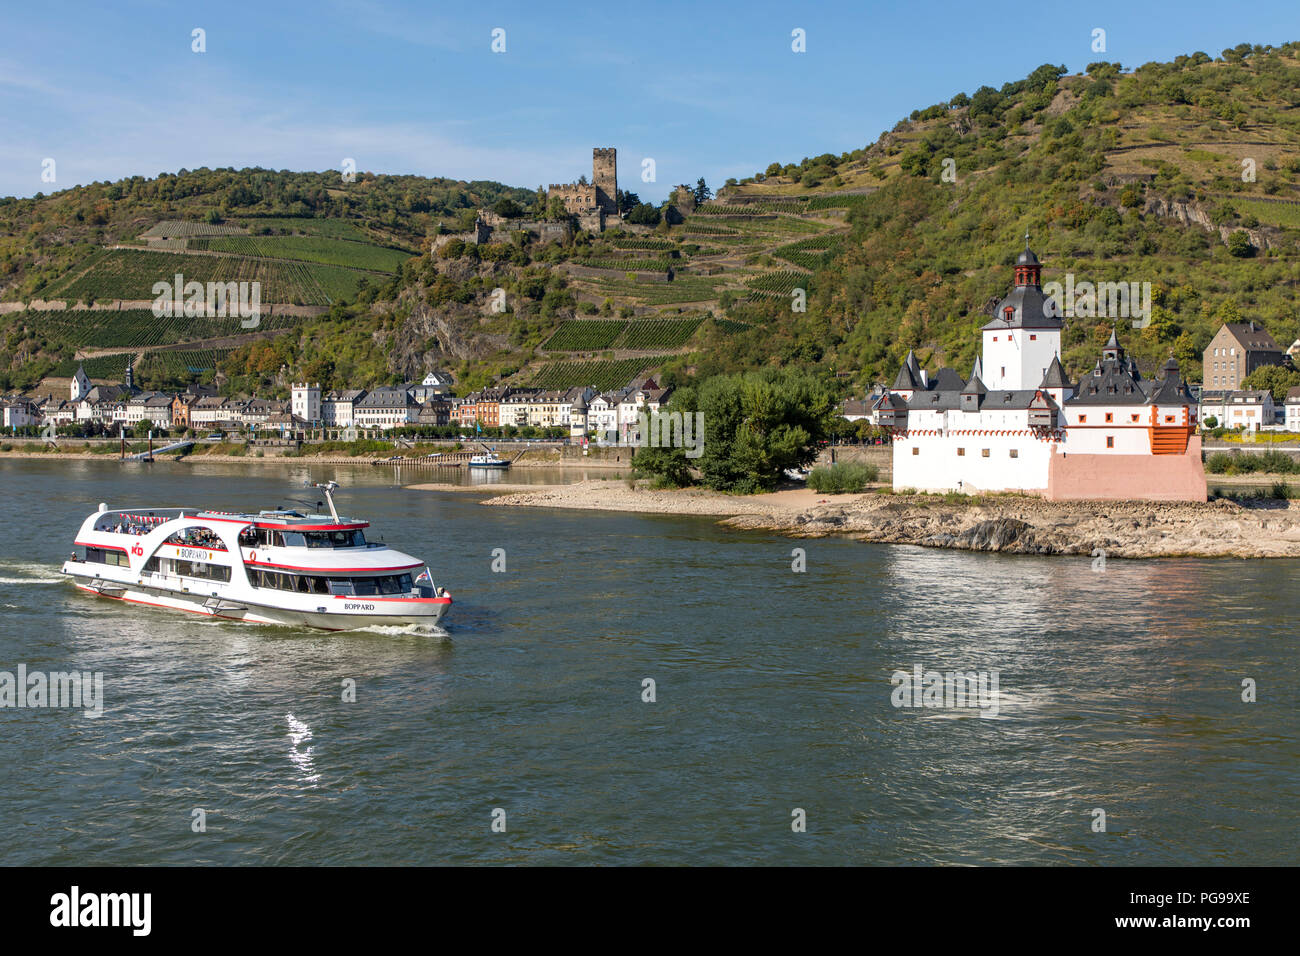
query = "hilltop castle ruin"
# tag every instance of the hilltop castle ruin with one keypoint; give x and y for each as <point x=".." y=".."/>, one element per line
<point x="592" y="202"/>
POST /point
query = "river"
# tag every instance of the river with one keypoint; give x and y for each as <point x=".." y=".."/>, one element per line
<point x="1119" y="689"/>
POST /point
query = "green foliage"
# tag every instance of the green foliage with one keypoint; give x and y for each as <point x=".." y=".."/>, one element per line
<point x="756" y="426"/>
<point x="1270" y="462"/>
<point x="644" y="215"/>
<point x="842" y="477"/>
<point x="1276" y="379"/>
<point x="1240" y="246"/>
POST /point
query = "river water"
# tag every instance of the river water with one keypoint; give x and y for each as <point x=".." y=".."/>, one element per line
<point x="1119" y="690"/>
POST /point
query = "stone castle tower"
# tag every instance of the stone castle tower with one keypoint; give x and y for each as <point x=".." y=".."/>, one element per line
<point x="604" y="176"/>
<point x="591" y="203"/>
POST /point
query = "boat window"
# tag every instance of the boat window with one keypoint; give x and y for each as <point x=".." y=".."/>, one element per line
<point x="105" y="556"/>
<point x="196" y="538"/>
<point x="364" y="586"/>
<point x="293" y="539"/>
<point x="201" y="569"/>
<point x="341" y="586"/>
<point x="335" y="539"/>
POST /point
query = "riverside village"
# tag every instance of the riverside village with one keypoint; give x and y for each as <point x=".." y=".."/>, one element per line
<point x="1014" y="422"/>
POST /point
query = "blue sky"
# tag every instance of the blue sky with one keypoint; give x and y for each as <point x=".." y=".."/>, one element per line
<point x="707" y="89"/>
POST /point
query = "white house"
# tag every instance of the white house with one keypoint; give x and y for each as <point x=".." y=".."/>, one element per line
<point x="1292" y="404"/>
<point x="154" y="407"/>
<point x="338" y="408"/>
<point x="60" y="413"/>
<point x="602" y="415"/>
<point x="1251" y="410"/>
<point x="211" y="410"/>
<point x="515" y="406"/>
<point x="647" y="398"/>
<point x="385" y="408"/>
<point x="18" y="412"/>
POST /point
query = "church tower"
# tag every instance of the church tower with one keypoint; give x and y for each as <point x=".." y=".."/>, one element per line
<point x="80" y="384"/>
<point x="1025" y="334"/>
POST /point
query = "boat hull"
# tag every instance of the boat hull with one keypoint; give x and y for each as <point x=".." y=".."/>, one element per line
<point x="368" y="612"/>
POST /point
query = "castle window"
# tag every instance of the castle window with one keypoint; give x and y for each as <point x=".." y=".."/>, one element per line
<point x="916" y="450"/>
<point x="1110" y="441"/>
<point x="1110" y="417"/>
<point x="984" y="453"/>
<point x="1132" y="418"/>
<point x="1015" y="453"/>
<point x="1082" y="419"/>
<point x="1033" y="338"/>
<point x="1170" y="418"/>
<point x="961" y="452"/>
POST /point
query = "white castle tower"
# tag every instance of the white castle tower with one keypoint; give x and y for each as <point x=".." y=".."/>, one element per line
<point x="1025" y="335"/>
<point x="305" y="401"/>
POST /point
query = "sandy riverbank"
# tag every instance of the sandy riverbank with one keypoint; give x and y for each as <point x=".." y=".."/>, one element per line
<point x="1006" y="523"/>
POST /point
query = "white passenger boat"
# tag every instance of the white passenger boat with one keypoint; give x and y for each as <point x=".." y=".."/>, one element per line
<point x="273" y="567"/>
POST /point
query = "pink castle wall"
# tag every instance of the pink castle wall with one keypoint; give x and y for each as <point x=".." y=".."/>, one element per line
<point x="1117" y="477"/>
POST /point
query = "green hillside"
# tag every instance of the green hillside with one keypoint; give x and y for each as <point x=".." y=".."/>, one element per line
<point x="1185" y="175"/>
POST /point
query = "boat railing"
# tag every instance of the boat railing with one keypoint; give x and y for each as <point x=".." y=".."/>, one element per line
<point x="129" y="521"/>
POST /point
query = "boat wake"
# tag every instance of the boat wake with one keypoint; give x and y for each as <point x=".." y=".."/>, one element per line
<point x="394" y="630"/>
<point x="31" y="573"/>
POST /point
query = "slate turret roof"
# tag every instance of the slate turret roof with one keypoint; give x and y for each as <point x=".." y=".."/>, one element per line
<point x="1055" y="376"/>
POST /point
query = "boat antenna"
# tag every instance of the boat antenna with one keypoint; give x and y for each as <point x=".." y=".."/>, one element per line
<point x="327" y="487"/>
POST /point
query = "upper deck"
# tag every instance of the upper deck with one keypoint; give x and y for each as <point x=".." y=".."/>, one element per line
<point x="140" y="522"/>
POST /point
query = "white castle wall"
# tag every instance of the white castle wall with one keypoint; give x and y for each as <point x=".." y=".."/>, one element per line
<point x="933" y="462"/>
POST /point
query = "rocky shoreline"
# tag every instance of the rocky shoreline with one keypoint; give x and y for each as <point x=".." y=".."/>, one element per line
<point x="1008" y="524"/>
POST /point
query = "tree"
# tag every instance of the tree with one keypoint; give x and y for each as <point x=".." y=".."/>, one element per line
<point x="702" y="192"/>
<point x="507" y="208"/>
<point x="627" y="201"/>
<point x="756" y="425"/>
<point x="644" y="215"/>
<point x="1277" y="379"/>
<point x="1240" y="246"/>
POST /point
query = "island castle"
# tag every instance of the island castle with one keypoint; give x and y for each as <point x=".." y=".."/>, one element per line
<point x="1017" y="423"/>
